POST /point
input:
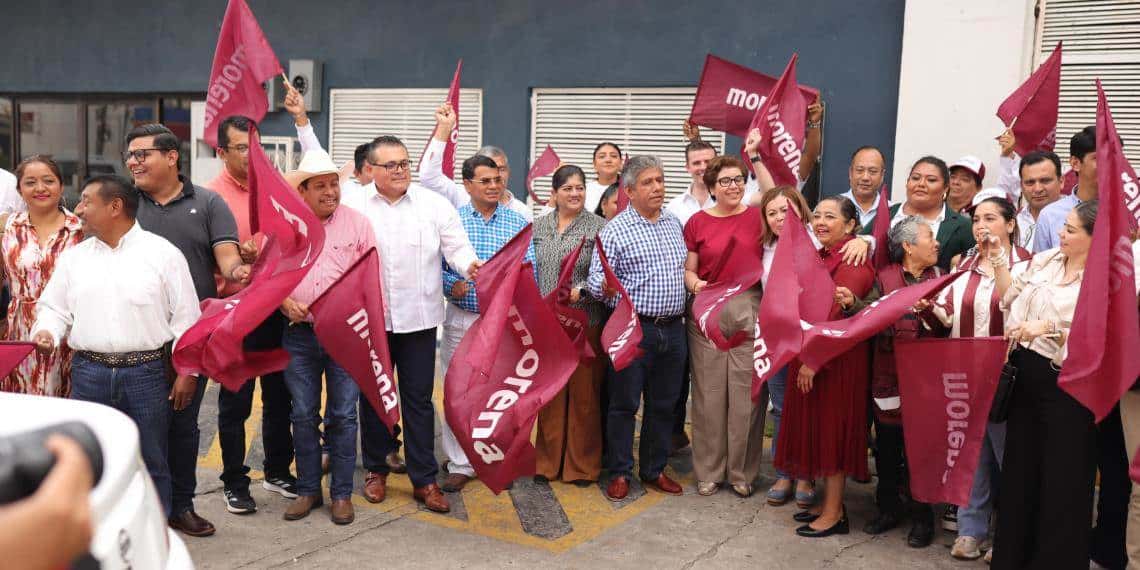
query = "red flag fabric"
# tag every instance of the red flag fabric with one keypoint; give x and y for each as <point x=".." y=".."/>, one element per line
<point x="243" y="61"/>
<point x="1034" y="106"/>
<point x="448" y="165"/>
<point x="621" y="336"/>
<point x="546" y="164"/>
<point x="729" y="94"/>
<point x="796" y="273"/>
<point x="12" y="353"/>
<point x="882" y="225"/>
<point x="824" y="341"/>
<point x="574" y="320"/>
<point x="491" y="402"/>
<point x="947" y="386"/>
<point x="1102" y="361"/>
<point x="781" y="120"/>
<point x="212" y="346"/>
<point x="745" y="268"/>
<point x="348" y="319"/>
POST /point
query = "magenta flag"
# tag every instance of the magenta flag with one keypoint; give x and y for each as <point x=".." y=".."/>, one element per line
<point x="546" y="164"/>
<point x="796" y="273"/>
<point x="1102" y="359"/>
<point x="492" y="396"/>
<point x="781" y="120"/>
<point x="729" y="94"/>
<point x="243" y="61"/>
<point x="348" y="319"/>
<point x="621" y="336"/>
<point x="826" y="340"/>
<point x="574" y="320"/>
<point x="947" y="386"/>
<point x="12" y="353"/>
<point x="1034" y="106"/>
<point x="744" y="267"/>
<point x="448" y="165"/>
<point x="882" y="225"/>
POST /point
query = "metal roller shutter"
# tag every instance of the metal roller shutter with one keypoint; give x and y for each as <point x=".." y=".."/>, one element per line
<point x="357" y="116"/>
<point x="639" y="120"/>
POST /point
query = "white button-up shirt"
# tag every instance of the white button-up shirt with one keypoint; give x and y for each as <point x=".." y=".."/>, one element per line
<point x="10" y="200"/>
<point x="133" y="297"/>
<point x="432" y="178"/>
<point x="415" y="233"/>
<point x="934" y="224"/>
<point x="865" y="216"/>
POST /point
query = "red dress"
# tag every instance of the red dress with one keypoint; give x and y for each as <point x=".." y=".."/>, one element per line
<point x="824" y="432"/>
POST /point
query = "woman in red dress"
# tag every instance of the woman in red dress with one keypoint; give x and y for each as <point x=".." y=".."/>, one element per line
<point x="824" y="432"/>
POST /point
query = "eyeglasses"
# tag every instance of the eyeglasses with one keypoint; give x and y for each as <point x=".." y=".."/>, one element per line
<point x="728" y="181"/>
<point x="240" y="148"/>
<point x="393" y="166"/>
<point x="488" y="181"/>
<point x="138" y="154"/>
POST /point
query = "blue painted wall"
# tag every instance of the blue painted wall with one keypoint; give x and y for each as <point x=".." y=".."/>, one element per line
<point x="850" y="50"/>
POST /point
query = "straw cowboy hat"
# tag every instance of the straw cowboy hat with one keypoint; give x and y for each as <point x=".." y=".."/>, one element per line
<point x="314" y="163"/>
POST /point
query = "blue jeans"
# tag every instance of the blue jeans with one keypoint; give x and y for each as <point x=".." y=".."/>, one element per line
<point x="776" y="385"/>
<point x="141" y="392"/>
<point x="974" y="519"/>
<point x="182" y="451"/>
<point x="307" y="361"/>
<point x="658" y="373"/>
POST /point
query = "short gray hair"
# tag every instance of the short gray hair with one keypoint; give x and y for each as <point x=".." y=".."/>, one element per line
<point x="636" y="165"/>
<point x="493" y="152"/>
<point x="906" y="231"/>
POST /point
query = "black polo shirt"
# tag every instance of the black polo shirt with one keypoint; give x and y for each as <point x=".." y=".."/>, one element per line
<point x="195" y="221"/>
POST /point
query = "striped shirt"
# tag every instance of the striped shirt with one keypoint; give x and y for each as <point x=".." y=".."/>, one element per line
<point x="648" y="259"/>
<point x="487" y="236"/>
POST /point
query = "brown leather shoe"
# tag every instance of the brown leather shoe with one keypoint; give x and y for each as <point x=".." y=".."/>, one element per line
<point x="375" y="487"/>
<point x="432" y="498"/>
<point x="396" y="463"/>
<point x="455" y="482"/>
<point x="618" y="488"/>
<point x="342" y="511"/>
<point x="666" y="485"/>
<point x="301" y="506"/>
<point x="189" y="523"/>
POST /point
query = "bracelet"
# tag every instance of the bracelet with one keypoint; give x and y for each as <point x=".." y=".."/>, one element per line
<point x="756" y="159"/>
<point x="997" y="260"/>
<point x="814" y="125"/>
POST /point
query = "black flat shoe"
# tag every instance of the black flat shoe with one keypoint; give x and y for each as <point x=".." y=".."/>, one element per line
<point x="805" y="516"/>
<point x="920" y="535"/>
<point x="882" y="523"/>
<point x="840" y="527"/>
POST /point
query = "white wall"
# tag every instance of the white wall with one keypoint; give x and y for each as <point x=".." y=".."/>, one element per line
<point x="960" y="60"/>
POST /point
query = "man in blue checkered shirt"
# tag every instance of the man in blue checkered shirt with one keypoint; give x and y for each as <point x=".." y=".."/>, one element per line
<point x="489" y="227"/>
<point x="647" y="251"/>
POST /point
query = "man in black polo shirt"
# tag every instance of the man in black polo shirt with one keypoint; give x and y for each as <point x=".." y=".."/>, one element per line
<point x="198" y="222"/>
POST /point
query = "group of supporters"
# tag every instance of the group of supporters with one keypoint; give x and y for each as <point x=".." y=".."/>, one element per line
<point x="107" y="290"/>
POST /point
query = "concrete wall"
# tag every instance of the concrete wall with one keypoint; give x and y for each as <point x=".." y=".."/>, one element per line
<point x="851" y="50"/>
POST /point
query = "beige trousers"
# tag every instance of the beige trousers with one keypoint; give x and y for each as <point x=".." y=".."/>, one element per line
<point x="1130" y="417"/>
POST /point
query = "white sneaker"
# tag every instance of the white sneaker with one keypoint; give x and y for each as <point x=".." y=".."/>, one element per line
<point x="989" y="556"/>
<point x="966" y="548"/>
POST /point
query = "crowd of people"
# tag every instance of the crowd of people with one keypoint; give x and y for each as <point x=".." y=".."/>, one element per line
<point x="106" y="291"/>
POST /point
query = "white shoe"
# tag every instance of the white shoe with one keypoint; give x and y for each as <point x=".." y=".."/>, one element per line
<point x="966" y="548"/>
<point x="989" y="556"/>
<point x="706" y="488"/>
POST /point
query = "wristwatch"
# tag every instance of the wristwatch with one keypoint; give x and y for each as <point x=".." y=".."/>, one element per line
<point x="756" y="158"/>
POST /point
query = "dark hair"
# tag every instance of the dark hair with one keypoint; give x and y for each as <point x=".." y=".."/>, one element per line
<point x="359" y="156"/>
<point x="476" y="161"/>
<point x="1037" y="157"/>
<point x="974" y="175"/>
<point x="720" y="163"/>
<point x="606" y="195"/>
<point x="564" y="173"/>
<point x="113" y="186"/>
<point x="236" y="121"/>
<point x="600" y="145"/>
<point x="44" y="159"/>
<point x="937" y="163"/>
<point x="793" y="197"/>
<point x="869" y="147"/>
<point x="697" y="145"/>
<point x="1086" y="212"/>
<point x="1083" y="142"/>
<point x="164" y="138"/>
<point x="384" y="140"/>
<point x="1007" y="211"/>
<point x="846" y="209"/>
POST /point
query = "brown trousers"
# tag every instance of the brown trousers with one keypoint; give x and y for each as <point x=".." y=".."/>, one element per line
<point x="569" y="441"/>
<point x="728" y="429"/>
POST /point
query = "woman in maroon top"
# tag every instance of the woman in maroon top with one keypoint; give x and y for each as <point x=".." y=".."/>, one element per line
<point x="825" y="412"/>
<point x="727" y="427"/>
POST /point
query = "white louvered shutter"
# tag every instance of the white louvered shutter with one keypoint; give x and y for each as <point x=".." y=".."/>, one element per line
<point x="1101" y="40"/>
<point x="639" y="120"/>
<point x="357" y="116"/>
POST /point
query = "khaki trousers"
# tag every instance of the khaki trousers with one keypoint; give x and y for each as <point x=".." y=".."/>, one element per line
<point x="728" y="429"/>
<point x="569" y="441"/>
<point x="1130" y="417"/>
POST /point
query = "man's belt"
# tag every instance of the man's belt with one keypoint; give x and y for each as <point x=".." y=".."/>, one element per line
<point x="123" y="359"/>
<point x="659" y="321"/>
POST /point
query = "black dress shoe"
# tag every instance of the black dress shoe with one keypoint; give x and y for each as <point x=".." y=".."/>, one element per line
<point x="805" y="516"/>
<point x="840" y="527"/>
<point x="921" y="534"/>
<point x="882" y="523"/>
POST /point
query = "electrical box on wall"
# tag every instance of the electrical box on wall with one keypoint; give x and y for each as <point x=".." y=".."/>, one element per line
<point x="305" y="75"/>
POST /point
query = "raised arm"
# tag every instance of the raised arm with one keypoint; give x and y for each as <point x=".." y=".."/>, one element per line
<point x="431" y="164"/>
<point x="295" y="105"/>
<point x="813" y="144"/>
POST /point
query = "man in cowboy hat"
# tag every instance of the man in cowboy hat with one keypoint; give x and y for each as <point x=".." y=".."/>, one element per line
<point x="348" y="236"/>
